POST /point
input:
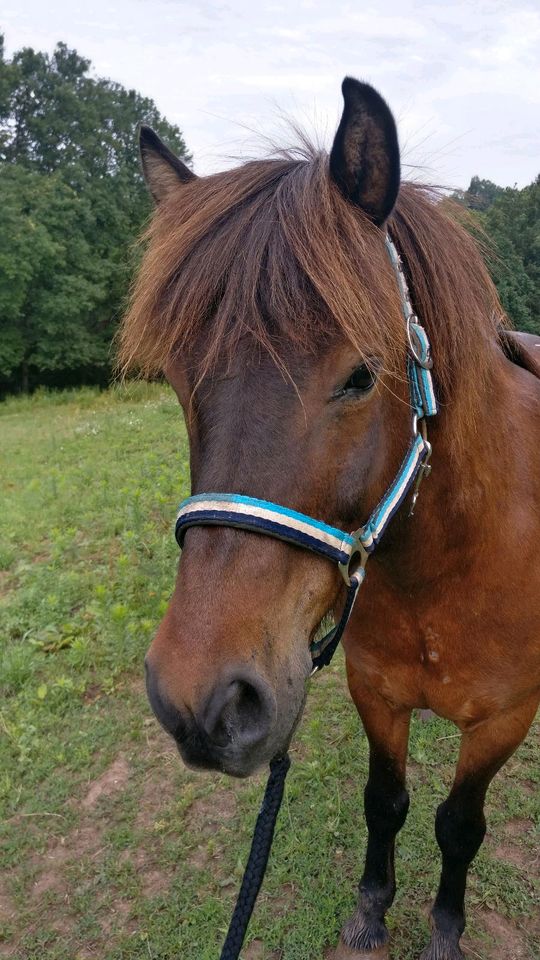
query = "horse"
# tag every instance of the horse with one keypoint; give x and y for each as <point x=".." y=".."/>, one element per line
<point x="267" y="299"/>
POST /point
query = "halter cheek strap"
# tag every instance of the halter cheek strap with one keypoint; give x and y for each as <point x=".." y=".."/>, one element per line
<point x="349" y="550"/>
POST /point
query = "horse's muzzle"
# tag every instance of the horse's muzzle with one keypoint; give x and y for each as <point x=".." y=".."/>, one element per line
<point x="231" y="727"/>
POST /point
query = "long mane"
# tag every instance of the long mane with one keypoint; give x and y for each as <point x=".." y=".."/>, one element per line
<point x="269" y="253"/>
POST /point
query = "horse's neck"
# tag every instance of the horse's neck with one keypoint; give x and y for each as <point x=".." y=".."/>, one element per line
<point x="468" y="503"/>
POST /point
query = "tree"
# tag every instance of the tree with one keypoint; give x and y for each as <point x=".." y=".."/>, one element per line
<point x="481" y="193"/>
<point x="54" y="286"/>
<point x="55" y="116"/>
<point x="511" y="220"/>
<point x="513" y="223"/>
<point x="73" y="202"/>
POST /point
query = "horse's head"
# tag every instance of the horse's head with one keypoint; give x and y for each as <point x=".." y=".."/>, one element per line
<point x="267" y="297"/>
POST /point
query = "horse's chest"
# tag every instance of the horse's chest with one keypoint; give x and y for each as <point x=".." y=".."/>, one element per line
<point x="428" y="662"/>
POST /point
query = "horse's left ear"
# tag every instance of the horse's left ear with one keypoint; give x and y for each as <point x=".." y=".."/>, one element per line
<point x="162" y="169"/>
<point x="364" y="161"/>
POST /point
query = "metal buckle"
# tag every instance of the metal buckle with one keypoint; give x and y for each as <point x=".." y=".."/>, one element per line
<point x="358" y="551"/>
<point x="424" y="469"/>
<point x="412" y="340"/>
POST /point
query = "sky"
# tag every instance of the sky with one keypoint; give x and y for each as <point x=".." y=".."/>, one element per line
<point x="462" y="78"/>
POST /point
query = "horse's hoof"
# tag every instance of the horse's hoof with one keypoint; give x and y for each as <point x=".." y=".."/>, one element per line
<point x="343" y="952"/>
<point x="440" y="948"/>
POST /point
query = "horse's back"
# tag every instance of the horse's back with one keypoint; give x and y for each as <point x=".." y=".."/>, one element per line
<point x="523" y="349"/>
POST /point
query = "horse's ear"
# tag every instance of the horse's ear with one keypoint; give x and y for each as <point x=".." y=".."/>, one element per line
<point x="364" y="161"/>
<point x="162" y="169"/>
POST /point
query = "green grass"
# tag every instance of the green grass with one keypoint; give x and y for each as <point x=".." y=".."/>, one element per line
<point x="111" y="849"/>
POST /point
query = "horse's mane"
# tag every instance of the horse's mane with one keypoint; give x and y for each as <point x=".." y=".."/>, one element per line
<point x="270" y="253"/>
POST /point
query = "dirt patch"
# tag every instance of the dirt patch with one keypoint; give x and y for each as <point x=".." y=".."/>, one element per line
<point x="165" y="777"/>
<point x="508" y="943"/>
<point x="520" y="857"/>
<point x="78" y="845"/>
<point x="83" y="844"/>
<point x="154" y="882"/>
<point x="282" y="902"/>
<point x="138" y="686"/>
<point x="114" y="778"/>
<point x="208" y="812"/>
<point x="341" y="952"/>
<point x="117" y="917"/>
<point x="7" y="950"/>
<point x="156" y="795"/>
<point x="7" y="907"/>
<point x="63" y="925"/>
<point x="517" y="827"/>
<point x="5" y="585"/>
<point x="93" y="692"/>
<point x="199" y="857"/>
<point x="256" y="950"/>
<point x="50" y="877"/>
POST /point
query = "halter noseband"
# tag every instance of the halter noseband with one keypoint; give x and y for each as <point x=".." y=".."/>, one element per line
<point x="349" y="550"/>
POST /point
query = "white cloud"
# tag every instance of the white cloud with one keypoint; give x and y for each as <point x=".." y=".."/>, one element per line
<point x="463" y="78"/>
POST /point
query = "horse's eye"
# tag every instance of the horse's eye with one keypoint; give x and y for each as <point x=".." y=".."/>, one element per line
<point x="360" y="381"/>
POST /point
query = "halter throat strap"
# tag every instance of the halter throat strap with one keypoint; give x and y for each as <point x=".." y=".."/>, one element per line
<point x="349" y="550"/>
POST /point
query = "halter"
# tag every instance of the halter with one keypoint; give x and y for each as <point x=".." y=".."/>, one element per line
<point x="350" y="551"/>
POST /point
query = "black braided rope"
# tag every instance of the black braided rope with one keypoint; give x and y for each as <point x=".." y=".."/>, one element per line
<point x="258" y="858"/>
<point x="263" y="834"/>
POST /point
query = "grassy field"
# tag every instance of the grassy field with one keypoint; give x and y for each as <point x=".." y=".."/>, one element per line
<point x="110" y="848"/>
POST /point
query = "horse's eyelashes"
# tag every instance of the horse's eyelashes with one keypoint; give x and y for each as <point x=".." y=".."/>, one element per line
<point x="361" y="380"/>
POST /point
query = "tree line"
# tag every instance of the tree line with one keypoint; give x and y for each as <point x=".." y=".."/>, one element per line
<point x="510" y="221"/>
<point x="73" y="202"/>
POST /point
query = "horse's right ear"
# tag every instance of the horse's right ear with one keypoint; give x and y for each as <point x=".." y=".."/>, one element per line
<point x="162" y="169"/>
<point x="364" y="162"/>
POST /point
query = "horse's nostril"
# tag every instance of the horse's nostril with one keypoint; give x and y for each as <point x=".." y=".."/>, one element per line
<point x="239" y="711"/>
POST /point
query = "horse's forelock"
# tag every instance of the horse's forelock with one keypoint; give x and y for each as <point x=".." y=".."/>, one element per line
<point x="271" y="254"/>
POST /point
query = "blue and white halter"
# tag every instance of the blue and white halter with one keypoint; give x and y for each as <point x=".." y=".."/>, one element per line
<point x="349" y="550"/>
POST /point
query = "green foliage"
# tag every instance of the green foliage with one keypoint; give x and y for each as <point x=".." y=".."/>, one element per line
<point x="52" y="287"/>
<point x="481" y="193"/>
<point x="73" y="202"/>
<point x="511" y="220"/>
<point x="513" y="223"/>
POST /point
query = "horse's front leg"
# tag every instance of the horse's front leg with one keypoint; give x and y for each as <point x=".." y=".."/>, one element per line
<point x="460" y="824"/>
<point x="386" y="803"/>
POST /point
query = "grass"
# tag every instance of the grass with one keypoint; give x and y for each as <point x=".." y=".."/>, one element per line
<point x="110" y="848"/>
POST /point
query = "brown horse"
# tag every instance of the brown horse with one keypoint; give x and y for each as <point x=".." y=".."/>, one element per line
<point x="267" y="297"/>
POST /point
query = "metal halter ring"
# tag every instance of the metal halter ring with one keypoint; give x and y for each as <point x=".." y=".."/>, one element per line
<point x="412" y="339"/>
<point x="358" y="559"/>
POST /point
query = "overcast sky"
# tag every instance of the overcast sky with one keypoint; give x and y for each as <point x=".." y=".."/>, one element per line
<point x="463" y="78"/>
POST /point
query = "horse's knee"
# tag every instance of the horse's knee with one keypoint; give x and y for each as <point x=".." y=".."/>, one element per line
<point x="460" y="828"/>
<point x="385" y="810"/>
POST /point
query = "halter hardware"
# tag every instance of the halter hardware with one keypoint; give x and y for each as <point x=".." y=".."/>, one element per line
<point x="350" y="551"/>
<point x="424" y="469"/>
<point x="358" y="550"/>
<point x="417" y="353"/>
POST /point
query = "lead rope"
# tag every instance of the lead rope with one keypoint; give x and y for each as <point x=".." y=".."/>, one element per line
<point x="258" y="858"/>
<point x="263" y="834"/>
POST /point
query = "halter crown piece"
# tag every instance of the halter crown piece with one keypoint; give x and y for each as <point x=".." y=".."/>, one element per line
<point x="349" y="550"/>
